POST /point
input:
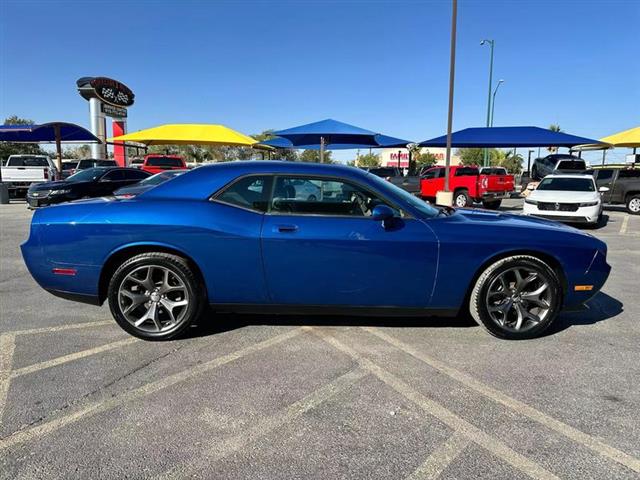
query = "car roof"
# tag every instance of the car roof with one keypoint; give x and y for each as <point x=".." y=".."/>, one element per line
<point x="569" y="175"/>
<point x="201" y="182"/>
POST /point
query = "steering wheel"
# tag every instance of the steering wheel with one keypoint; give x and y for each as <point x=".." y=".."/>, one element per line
<point x="359" y="200"/>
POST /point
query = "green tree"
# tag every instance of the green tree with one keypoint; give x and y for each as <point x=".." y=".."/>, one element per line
<point x="313" y="156"/>
<point x="79" y="152"/>
<point x="8" y="148"/>
<point x="554" y="127"/>
<point x="368" y="160"/>
<point x="475" y="156"/>
<point x="423" y="160"/>
<point x="512" y="162"/>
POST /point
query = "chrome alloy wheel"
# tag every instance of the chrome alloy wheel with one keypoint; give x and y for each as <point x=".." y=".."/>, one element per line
<point x="153" y="299"/>
<point x="634" y="205"/>
<point x="519" y="299"/>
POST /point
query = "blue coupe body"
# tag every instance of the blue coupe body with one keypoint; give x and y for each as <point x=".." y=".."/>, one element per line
<point x="256" y="255"/>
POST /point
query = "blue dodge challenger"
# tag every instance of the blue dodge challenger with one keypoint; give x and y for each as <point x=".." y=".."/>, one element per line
<point x="286" y="237"/>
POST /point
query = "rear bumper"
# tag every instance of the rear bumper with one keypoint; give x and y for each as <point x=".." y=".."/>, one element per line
<point x="496" y="195"/>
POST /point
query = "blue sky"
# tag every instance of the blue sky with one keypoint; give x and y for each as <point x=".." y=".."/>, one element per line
<point x="382" y="65"/>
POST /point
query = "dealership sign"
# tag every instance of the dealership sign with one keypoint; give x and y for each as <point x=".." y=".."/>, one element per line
<point x="107" y="90"/>
<point x="113" y="112"/>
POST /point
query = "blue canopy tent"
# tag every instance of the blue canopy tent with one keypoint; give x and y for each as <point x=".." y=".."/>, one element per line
<point x="382" y="141"/>
<point x="338" y="135"/>
<point x="58" y="132"/>
<point x="513" y="137"/>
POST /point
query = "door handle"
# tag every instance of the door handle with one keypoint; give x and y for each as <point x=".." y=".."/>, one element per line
<point x="287" y="228"/>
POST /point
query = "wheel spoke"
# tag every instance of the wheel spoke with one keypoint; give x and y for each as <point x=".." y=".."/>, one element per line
<point x="521" y="314"/>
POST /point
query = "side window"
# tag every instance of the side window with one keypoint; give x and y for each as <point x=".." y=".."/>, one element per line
<point x="114" y="176"/>
<point x="629" y="173"/>
<point x="134" y="175"/>
<point x="604" y="174"/>
<point x="431" y="173"/>
<point x="319" y="196"/>
<point x="466" y="171"/>
<point x="248" y="192"/>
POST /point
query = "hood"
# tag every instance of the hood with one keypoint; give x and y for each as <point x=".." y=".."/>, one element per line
<point x="563" y="196"/>
<point x="57" y="185"/>
<point x="492" y="219"/>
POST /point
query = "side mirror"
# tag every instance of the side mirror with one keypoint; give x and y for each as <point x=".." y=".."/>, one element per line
<point x="382" y="213"/>
<point x="603" y="189"/>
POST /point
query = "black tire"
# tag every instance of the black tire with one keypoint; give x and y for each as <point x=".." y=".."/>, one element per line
<point x="492" y="205"/>
<point x="633" y="204"/>
<point x="191" y="287"/>
<point x="480" y="298"/>
<point x="461" y="198"/>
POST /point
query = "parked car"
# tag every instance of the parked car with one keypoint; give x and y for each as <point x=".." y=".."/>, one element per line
<point x="86" y="163"/>
<point x="68" y="168"/>
<point x="410" y="183"/>
<point x="146" y="184"/>
<point x="623" y="183"/>
<point x="566" y="198"/>
<point x="218" y="235"/>
<point x="19" y="172"/>
<point x="557" y="163"/>
<point x="92" y="182"/>
<point x="159" y="163"/>
<point x="136" y="162"/>
<point x="468" y="185"/>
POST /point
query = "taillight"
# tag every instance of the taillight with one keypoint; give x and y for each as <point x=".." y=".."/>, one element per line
<point x="46" y="174"/>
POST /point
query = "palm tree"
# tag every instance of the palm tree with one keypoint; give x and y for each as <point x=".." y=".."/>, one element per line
<point x="554" y="127"/>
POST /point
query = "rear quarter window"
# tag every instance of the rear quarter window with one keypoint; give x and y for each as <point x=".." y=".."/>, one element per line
<point x="629" y="174"/>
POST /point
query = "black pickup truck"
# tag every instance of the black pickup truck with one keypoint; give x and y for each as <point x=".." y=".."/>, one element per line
<point x="393" y="174"/>
<point x="623" y="182"/>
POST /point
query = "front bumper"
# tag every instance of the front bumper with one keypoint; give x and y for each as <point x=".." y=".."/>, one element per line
<point x="581" y="215"/>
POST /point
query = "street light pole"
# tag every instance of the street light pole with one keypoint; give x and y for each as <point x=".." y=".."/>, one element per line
<point x="452" y="74"/>
<point x="491" y="44"/>
<point x="493" y="101"/>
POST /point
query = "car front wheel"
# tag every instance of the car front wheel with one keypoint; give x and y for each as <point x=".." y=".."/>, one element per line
<point x="155" y="296"/>
<point x="461" y="199"/>
<point x="516" y="298"/>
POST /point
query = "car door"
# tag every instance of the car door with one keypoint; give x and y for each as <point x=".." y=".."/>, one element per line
<point x="109" y="183"/>
<point x="604" y="178"/>
<point x="130" y="177"/>
<point x="330" y="252"/>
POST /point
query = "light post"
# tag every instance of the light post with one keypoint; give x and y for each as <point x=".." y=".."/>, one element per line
<point x="491" y="43"/>
<point x="493" y="100"/>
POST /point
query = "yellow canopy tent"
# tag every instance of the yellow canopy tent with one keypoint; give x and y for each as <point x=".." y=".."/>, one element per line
<point x="187" y="134"/>
<point x="628" y="138"/>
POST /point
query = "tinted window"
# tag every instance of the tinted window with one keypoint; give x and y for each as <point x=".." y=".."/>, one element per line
<point x="493" y="171"/>
<point x="86" y="175"/>
<point x="629" y="174"/>
<point x="435" y="173"/>
<point x="571" y="165"/>
<point x="164" y="162"/>
<point x="29" y="162"/>
<point x="320" y="196"/>
<point x="384" y="172"/>
<point x="604" y="174"/>
<point x="159" y="178"/>
<point x="466" y="171"/>
<point x="134" y="174"/>
<point x="567" y="184"/>
<point x="249" y="192"/>
<point x="69" y="165"/>
<point x="114" y="176"/>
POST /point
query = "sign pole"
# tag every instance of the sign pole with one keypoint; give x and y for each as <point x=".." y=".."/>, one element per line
<point x="452" y="74"/>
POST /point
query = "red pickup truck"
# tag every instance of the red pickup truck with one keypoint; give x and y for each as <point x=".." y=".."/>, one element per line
<point x="469" y="184"/>
<point x="154" y="163"/>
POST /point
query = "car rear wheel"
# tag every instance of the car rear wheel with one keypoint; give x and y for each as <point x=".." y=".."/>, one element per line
<point x="633" y="205"/>
<point x="155" y="296"/>
<point x="516" y="298"/>
<point x="461" y="198"/>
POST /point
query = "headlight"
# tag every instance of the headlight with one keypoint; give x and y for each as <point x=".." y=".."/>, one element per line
<point x="590" y="204"/>
<point x="59" y="192"/>
<point x="530" y="201"/>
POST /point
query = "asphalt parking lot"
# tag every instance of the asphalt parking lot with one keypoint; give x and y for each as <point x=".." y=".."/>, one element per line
<point x="292" y="397"/>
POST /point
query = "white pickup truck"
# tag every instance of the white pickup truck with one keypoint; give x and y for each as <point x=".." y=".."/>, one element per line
<point x="19" y="172"/>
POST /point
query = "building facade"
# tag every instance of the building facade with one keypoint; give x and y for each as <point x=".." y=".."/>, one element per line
<point x="399" y="157"/>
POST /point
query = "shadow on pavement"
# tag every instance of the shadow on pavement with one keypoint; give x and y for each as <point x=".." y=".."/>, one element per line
<point x="212" y="323"/>
<point x="600" y="308"/>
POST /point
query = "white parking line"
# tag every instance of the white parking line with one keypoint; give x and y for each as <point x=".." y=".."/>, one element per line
<point x="7" y="347"/>
<point x="625" y="224"/>
<point x="94" y="408"/>
<point x="568" y="431"/>
<point x="71" y="357"/>
<point x="441" y="457"/>
<point x="202" y="463"/>
<point x="486" y="441"/>
<point x="60" y="328"/>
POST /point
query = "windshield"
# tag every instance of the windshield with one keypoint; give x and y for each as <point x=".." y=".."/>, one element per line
<point x="567" y="184"/>
<point x="412" y="200"/>
<point x="28" y="162"/>
<point x="164" y="162"/>
<point x="87" y="175"/>
<point x="159" y="178"/>
<point x="69" y="165"/>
